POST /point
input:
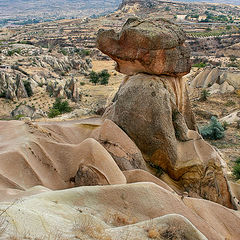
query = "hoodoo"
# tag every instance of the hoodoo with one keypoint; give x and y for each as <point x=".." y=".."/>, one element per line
<point x="152" y="106"/>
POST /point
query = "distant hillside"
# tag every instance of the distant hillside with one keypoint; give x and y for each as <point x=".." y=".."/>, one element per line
<point x="149" y="2"/>
<point x="31" y="11"/>
<point x="235" y="2"/>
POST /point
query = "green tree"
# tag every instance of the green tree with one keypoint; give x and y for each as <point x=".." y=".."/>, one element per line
<point x="59" y="107"/>
<point x="204" y="95"/>
<point x="104" y="77"/>
<point x="213" y="131"/>
<point x="94" y="78"/>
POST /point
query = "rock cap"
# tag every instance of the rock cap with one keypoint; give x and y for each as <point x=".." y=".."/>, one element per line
<point x="147" y="47"/>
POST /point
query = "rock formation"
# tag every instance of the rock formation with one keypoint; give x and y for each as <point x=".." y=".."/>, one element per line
<point x="71" y="90"/>
<point x="144" y="46"/>
<point x="153" y="107"/>
<point x="217" y="80"/>
<point x="61" y="155"/>
<point x="64" y="155"/>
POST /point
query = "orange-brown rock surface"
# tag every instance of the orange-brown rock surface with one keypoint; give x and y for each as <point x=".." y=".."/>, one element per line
<point x="147" y="47"/>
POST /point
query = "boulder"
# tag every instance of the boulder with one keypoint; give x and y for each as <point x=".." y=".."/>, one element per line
<point x="215" y="88"/>
<point x="212" y="77"/>
<point x="233" y="78"/>
<point x="225" y="87"/>
<point x="231" y="118"/>
<point x="199" y="80"/>
<point x="96" y="166"/>
<point x="147" y="47"/>
<point x="23" y="111"/>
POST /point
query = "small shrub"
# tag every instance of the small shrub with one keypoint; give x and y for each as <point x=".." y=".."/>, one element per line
<point x="200" y="65"/>
<point x="59" y="107"/>
<point x="233" y="58"/>
<point x="53" y="113"/>
<point x="101" y="77"/>
<point x="82" y="83"/>
<point x="17" y="117"/>
<point x="213" y="131"/>
<point x="94" y="78"/>
<point x="230" y="103"/>
<point x="204" y="95"/>
<point x="225" y="125"/>
<point x="28" y="88"/>
<point x="63" y="51"/>
<point x="104" y="77"/>
<point x="63" y="107"/>
<point x="63" y="73"/>
<point x="238" y="124"/>
<point x="13" y="51"/>
<point x="3" y="94"/>
<point x="236" y="169"/>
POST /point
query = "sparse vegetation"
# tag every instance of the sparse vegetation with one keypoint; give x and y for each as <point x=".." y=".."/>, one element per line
<point x="230" y="103"/>
<point x="236" y="169"/>
<point x="101" y="77"/>
<point x="13" y="51"/>
<point x="173" y="232"/>
<point x="204" y="95"/>
<point x="200" y="65"/>
<point x="213" y="131"/>
<point x="94" y="78"/>
<point x="28" y="88"/>
<point x="59" y="107"/>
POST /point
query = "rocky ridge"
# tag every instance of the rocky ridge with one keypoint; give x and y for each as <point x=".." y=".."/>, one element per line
<point x="217" y="80"/>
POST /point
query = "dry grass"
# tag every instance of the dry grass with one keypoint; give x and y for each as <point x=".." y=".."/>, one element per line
<point x="87" y="226"/>
<point x="3" y="220"/>
<point x="173" y="233"/>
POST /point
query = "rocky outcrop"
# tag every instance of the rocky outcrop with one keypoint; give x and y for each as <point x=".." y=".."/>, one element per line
<point x="21" y="91"/>
<point x="63" y="64"/>
<point x="71" y="90"/>
<point x="147" y="47"/>
<point x="155" y="112"/>
<point x="64" y="155"/>
<point x="232" y="118"/>
<point x="23" y="111"/>
<point x="12" y="85"/>
<point x="217" y="80"/>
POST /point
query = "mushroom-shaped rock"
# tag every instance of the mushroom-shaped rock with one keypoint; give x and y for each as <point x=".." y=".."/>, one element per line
<point x="147" y="47"/>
